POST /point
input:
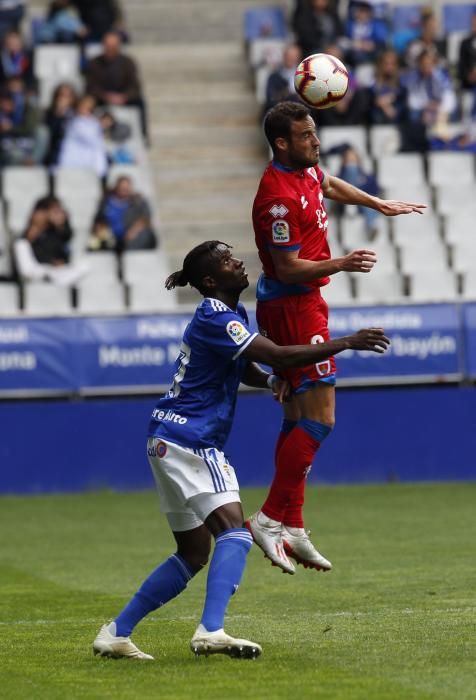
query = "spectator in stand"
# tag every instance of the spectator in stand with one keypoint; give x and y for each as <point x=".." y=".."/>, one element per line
<point x="467" y="59"/>
<point x="352" y="171"/>
<point x="43" y="252"/>
<point x="388" y="96"/>
<point x="61" y="111"/>
<point x="11" y="14"/>
<point x="83" y="143"/>
<point x="15" y="60"/>
<point x="123" y="220"/>
<point x="23" y="139"/>
<point x="113" y="78"/>
<point x="431" y="99"/>
<point x="428" y="39"/>
<point x="353" y="108"/>
<point x="316" y="24"/>
<point x="101" y="17"/>
<point x="62" y="24"/>
<point x="366" y="35"/>
<point x="280" y="85"/>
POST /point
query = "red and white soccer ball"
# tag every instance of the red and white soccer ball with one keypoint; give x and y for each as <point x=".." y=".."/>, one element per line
<point x="321" y="80"/>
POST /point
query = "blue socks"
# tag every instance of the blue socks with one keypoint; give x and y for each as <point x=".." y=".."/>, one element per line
<point x="224" y="575"/>
<point x="319" y="431"/>
<point x="165" y="583"/>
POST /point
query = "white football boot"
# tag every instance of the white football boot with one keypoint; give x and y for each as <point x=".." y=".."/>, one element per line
<point x="107" y="644"/>
<point x="267" y="533"/>
<point x="298" y="546"/>
<point x="204" y="643"/>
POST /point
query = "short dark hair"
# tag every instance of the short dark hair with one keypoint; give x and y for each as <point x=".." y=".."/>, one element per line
<point x="198" y="263"/>
<point x="278" y="120"/>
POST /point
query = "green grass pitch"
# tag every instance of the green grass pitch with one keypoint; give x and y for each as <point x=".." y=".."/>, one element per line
<point x="394" y="620"/>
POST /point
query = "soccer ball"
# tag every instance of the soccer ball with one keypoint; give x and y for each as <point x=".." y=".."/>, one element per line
<point x="321" y="80"/>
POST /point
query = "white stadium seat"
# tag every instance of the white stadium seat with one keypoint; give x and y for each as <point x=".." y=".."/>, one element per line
<point x="150" y="296"/>
<point x="355" y="136"/>
<point x="266" y="51"/>
<point x="383" y="139"/>
<point x="75" y="183"/>
<point x="9" y="299"/>
<point x="57" y="60"/>
<point x="386" y="258"/>
<point x="422" y="258"/>
<point x="414" y="230"/>
<point x="48" y="84"/>
<point x="24" y="184"/>
<point x="102" y="267"/>
<point x="102" y="297"/>
<point x="378" y="288"/>
<point x="354" y="234"/>
<point x="339" y="291"/>
<point x="46" y="299"/>
<point x="400" y="167"/>
<point x="140" y="177"/>
<point x="455" y="199"/>
<point x="464" y="254"/>
<point x="140" y="264"/>
<point x="451" y="169"/>
<point x="408" y="192"/>
<point x="459" y="227"/>
<point x="433" y="285"/>
<point x="469" y="284"/>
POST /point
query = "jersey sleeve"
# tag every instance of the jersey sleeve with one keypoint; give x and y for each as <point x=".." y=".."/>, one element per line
<point x="227" y="334"/>
<point x="279" y="224"/>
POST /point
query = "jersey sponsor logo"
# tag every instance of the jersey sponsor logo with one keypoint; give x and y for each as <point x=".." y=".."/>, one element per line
<point x="158" y="415"/>
<point x="312" y="173"/>
<point x="304" y="202"/>
<point x="237" y="332"/>
<point x="280" y="231"/>
<point x="278" y="210"/>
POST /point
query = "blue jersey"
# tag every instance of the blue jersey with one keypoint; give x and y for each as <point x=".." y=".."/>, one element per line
<point x="198" y="409"/>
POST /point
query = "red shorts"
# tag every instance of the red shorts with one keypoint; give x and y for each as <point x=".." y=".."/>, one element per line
<point x="298" y="320"/>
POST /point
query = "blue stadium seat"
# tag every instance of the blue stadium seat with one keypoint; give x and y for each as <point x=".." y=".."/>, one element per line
<point x="457" y="18"/>
<point x="264" y="22"/>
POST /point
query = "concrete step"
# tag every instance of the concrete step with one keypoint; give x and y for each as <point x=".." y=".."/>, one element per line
<point x="218" y="207"/>
<point x="180" y="237"/>
<point x="180" y="173"/>
<point x="214" y="136"/>
<point x="207" y="186"/>
<point x="200" y="91"/>
<point x="242" y="111"/>
<point x="186" y="153"/>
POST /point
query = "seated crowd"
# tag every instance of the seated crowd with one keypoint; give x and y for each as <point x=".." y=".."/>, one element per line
<point x="79" y="129"/>
<point x="401" y="77"/>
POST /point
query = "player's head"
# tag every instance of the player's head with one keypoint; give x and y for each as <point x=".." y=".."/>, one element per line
<point x="291" y="133"/>
<point x="211" y="268"/>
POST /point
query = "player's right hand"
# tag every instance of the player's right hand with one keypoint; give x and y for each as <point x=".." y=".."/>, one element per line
<point x="372" y="339"/>
<point x="359" y="261"/>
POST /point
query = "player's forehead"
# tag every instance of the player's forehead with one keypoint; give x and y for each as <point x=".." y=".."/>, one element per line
<point x="303" y="126"/>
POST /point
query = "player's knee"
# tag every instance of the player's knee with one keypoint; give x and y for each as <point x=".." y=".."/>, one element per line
<point x="197" y="558"/>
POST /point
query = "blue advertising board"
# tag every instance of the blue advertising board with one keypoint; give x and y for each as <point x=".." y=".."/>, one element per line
<point x="128" y="354"/>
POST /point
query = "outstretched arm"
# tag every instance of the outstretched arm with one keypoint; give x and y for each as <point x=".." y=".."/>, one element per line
<point x="343" y="192"/>
<point x="291" y="269"/>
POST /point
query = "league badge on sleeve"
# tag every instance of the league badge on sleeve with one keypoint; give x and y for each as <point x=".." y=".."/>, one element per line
<point x="280" y="229"/>
<point x="237" y="332"/>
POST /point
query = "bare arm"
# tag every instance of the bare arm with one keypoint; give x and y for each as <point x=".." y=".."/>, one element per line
<point x="283" y="356"/>
<point x="255" y="376"/>
<point x="340" y="191"/>
<point x="292" y="269"/>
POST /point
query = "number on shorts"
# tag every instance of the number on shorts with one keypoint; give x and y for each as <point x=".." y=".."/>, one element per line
<point x="322" y="368"/>
<point x="184" y="359"/>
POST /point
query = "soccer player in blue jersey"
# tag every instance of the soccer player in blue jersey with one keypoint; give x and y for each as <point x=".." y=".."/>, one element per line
<point x="197" y="486"/>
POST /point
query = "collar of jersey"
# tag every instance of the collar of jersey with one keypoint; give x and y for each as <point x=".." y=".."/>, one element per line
<point x="219" y="300"/>
<point x="285" y="169"/>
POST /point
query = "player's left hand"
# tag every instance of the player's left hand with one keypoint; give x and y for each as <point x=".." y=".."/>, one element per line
<point x="281" y="390"/>
<point x="393" y="207"/>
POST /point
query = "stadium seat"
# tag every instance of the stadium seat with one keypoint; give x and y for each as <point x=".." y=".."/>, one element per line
<point x="46" y="299"/>
<point x="365" y="75"/>
<point x="383" y="139"/>
<point x="138" y="265"/>
<point x="332" y="136"/>
<point x="20" y="183"/>
<point x="339" y="291"/>
<point x="131" y="117"/>
<point x="332" y="163"/>
<point x="417" y="259"/>
<point x="457" y="17"/>
<point x="400" y="167"/>
<point x="47" y="85"/>
<point x="259" y="22"/>
<point x="407" y="192"/>
<point x="464" y="254"/>
<point x="354" y="234"/>
<point x="469" y="284"/>
<point x="100" y="296"/>
<point x="458" y="227"/>
<point x="414" y="231"/>
<point x="378" y="287"/>
<point x="261" y="80"/>
<point x="451" y="169"/>
<point x="59" y="60"/>
<point x="266" y="51"/>
<point x="433" y="285"/>
<point x="102" y="267"/>
<point x="74" y="183"/>
<point x="453" y="45"/>
<point x="406" y="16"/>
<point x="386" y="257"/>
<point x="149" y="296"/>
<point x="453" y="199"/>
<point x="9" y="299"/>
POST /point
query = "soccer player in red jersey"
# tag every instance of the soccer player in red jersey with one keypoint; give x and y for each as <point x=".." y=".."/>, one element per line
<point x="290" y="224"/>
